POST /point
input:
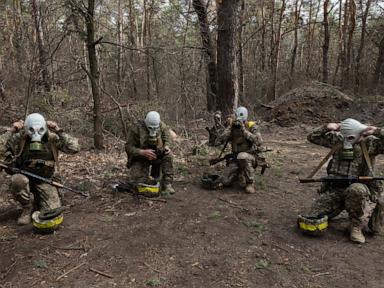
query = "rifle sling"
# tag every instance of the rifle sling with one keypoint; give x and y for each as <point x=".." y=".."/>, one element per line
<point x="366" y="157"/>
<point x="325" y="159"/>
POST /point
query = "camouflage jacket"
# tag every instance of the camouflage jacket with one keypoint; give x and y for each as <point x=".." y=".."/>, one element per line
<point x="138" y="137"/>
<point x="249" y="140"/>
<point x="356" y="167"/>
<point x="14" y="145"/>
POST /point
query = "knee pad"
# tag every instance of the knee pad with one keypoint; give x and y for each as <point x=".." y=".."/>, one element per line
<point x="19" y="182"/>
<point x="357" y="190"/>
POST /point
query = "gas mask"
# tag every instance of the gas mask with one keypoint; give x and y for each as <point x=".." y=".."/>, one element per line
<point x="241" y="114"/>
<point x="35" y="127"/>
<point x="351" y="131"/>
<point x="152" y="122"/>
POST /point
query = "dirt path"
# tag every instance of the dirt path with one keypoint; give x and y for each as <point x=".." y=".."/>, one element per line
<point x="198" y="238"/>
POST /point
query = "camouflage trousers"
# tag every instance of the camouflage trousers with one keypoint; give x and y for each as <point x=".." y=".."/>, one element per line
<point x="241" y="169"/>
<point x="30" y="193"/>
<point x="139" y="170"/>
<point x="333" y="200"/>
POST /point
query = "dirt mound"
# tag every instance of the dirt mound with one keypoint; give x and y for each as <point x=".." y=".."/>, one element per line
<point x="312" y="104"/>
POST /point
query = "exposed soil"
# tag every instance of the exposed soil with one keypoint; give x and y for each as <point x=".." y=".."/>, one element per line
<point x="198" y="238"/>
<point x="321" y="103"/>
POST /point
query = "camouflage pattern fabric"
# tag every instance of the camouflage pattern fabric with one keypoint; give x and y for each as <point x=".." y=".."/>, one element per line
<point x="138" y="138"/>
<point x="245" y="144"/>
<point x="30" y="192"/>
<point x="354" y="198"/>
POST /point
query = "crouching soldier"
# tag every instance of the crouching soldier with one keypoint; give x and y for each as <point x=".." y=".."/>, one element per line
<point x="149" y="153"/>
<point x="245" y="140"/>
<point x="33" y="146"/>
<point x="349" y="185"/>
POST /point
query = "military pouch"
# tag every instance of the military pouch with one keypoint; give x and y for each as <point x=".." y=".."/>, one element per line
<point x="36" y="146"/>
<point x="347" y="154"/>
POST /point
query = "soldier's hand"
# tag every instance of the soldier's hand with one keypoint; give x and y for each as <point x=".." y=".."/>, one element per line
<point x="369" y="131"/>
<point x="53" y="126"/>
<point x="148" y="153"/>
<point x="167" y="150"/>
<point x="17" y="126"/>
<point x="333" y="126"/>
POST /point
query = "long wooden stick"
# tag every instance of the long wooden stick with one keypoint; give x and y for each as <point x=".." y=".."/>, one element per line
<point x="69" y="271"/>
<point x="100" y="273"/>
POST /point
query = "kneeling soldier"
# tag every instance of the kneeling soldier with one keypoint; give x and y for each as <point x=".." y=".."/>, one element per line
<point x="35" y="150"/>
<point x="349" y="184"/>
<point x="245" y="140"/>
<point x="148" y="151"/>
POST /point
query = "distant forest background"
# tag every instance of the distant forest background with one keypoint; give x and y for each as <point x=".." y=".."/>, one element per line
<point x="99" y="62"/>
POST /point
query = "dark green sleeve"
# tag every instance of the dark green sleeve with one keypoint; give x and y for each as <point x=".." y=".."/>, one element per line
<point x="324" y="137"/>
<point x="132" y="146"/>
<point x="254" y="135"/>
<point x="165" y="136"/>
<point x="67" y="143"/>
<point x="375" y="143"/>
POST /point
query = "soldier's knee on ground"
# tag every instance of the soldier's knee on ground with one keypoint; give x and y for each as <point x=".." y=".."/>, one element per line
<point x="19" y="182"/>
<point x="20" y="189"/>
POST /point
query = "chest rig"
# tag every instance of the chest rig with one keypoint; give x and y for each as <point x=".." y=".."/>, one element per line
<point x="347" y="163"/>
<point x="239" y="142"/>
<point x="38" y="157"/>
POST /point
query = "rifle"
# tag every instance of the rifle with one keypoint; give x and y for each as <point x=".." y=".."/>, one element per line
<point x="348" y="180"/>
<point x="155" y="165"/>
<point x="259" y="160"/>
<point x="15" y="170"/>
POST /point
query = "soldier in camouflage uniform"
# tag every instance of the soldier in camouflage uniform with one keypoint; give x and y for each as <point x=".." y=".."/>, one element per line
<point x="347" y="161"/>
<point x="144" y="140"/>
<point x="35" y="149"/>
<point x="245" y="140"/>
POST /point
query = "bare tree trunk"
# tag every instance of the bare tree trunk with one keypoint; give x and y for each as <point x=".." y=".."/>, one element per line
<point x="275" y="55"/>
<point x="326" y="41"/>
<point x="362" y="43"/>
<point x="209" y="51"/>
<point x="119" y="42"/>
<point x="240" y="51"/>
<point x="132" y="32"/>
<point x="43" y="54"/>
<point x="379" y="67"/>
<point x="226" y="62"/>
<point x="351" y="30"/>
<point x="295" y="43"/>
<point x="93" y="74"/>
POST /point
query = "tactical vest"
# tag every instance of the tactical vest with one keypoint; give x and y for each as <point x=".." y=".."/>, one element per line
<point x="40" y="162"/>
<point x="355" y="167"/>
<point x="239" y="143"/>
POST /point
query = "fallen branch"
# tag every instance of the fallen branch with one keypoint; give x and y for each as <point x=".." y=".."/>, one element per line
<point x="8" y="271"/>
<point x="69" y="271"/>
<point x="321" y="274"/>
<point x="150" y="267"/>
<point x="234" y="205"/>
<point x="100" y="273"/>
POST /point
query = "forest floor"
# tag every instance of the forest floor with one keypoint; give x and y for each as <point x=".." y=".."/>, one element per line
<point x="198" y="238"/>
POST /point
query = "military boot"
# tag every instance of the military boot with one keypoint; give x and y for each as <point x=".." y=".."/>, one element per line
<point x="168" y="190"/>
<point x="357" y="235"/>
<point x="25" y="217"/>
<point x="250" y="188"/>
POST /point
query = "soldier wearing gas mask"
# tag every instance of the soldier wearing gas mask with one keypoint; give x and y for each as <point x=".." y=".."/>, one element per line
<point x="245" y="140"/>
<point x="33" y="145"/>
<point x="148" y="147"/>
<point x="355" y="146"/>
